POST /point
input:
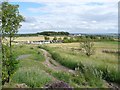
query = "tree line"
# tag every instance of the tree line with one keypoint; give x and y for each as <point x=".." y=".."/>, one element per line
<point x="53" y="33"/>
<point x="70" y="39"/>
<point x="46" y="33"/>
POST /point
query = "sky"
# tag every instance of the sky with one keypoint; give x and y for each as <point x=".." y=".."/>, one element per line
<point x="74" y="16"/>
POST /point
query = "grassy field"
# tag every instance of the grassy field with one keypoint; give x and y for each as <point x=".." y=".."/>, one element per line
<point x="30" y="69"/>
<point x="107" y="63"/>
<point x="97" y="68"/>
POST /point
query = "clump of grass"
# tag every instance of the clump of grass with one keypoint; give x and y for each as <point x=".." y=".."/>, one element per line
<point x="31" y="48"/>
<point x="88" y="76"/>
<point x="111" y="75"/>
<point x="32" y="77"/>
<point x="62" y="76"/>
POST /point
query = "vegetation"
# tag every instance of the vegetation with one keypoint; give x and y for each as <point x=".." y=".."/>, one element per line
<point x="81" y="61"/>
<point x="88" y="47"/>
<point x="30" y="68"/>
<point x="100" y="62"/>
<point x="10" y="23"/>
<point x="46" y="38"/>
<point x="55" y="38"/>
<point x="90" y="72"/>
<point x="52" y="33"/>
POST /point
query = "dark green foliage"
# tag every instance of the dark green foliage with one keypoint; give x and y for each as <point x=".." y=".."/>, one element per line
<point x="55" y="38"/>
<point x="46" y="38"/>
<point x="10" y="24"/>
<point x="10" y="19"/>
<point x="52" y="33"/>
<point x="111" y="76"/>
<point x="9" y="64"/>
<point x="66" y="40"/>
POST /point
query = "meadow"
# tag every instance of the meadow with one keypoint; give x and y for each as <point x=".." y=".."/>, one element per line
<point x="94" y="71"/>
<point x="70" y="56"/>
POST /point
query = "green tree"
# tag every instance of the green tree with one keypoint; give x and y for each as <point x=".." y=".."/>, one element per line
<point x="55" y="38"/>
<point x="71" y="39"/>
<point x="46" y="38"/>
<point x="65" y="40"/>
<point x="88" y="47"/>
<point x="11" y="20"/>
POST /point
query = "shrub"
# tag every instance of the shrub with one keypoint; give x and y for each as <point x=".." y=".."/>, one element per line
<point x="88" y="47"/>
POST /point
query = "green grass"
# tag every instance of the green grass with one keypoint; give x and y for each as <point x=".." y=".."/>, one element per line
<point x="92" y="72"/>
<point x="30" y="70"/>
<point x="31" y="76"/>
<point x="107" y="63"/>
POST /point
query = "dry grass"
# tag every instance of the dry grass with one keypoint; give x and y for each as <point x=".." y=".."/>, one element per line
<point x="35" y="38"/>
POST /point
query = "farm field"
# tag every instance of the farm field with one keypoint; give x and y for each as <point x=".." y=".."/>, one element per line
<point x="44" y="64"/>
<point x="35" y="38"/>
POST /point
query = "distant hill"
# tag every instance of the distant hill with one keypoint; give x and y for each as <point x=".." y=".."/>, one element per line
<point x="52" y="33"/>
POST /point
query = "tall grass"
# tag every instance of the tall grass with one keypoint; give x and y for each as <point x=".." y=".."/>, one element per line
<point x="32" y="77"/>
<point x="109" y="70"/>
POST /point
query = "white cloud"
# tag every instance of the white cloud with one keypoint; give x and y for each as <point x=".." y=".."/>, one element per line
<point x="72" y="15"/>
<point x="70" y="1"/>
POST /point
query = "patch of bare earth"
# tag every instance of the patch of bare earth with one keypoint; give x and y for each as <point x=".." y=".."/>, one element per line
<point x="52" y="64"/>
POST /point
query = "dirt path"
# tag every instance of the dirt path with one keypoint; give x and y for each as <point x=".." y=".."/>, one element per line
<point x="49" y="62"/>
<point x="23" y="56"/>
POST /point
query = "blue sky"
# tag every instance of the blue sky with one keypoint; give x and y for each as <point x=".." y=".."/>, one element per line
<point x="80" y="16"/>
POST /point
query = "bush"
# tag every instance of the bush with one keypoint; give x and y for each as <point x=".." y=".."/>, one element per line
<point x="88" y="47"/>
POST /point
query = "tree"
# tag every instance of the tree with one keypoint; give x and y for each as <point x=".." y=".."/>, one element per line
<point x="55" y="38"/>
<point x="11" y="20"/>
<point x="88" y="47"/>
<point x="46" y="38"/>
<point x="71" y="39"/>
<point x="65" y="40"/>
